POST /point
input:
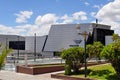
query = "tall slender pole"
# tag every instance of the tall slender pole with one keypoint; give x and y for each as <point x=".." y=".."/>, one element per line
<point x="85" y="56"/>
<point x="18" y="50"/>
<point x="35" y="48"/>
<point x="95" y="32"/>
<point x="84" y="34"/>
<point x="6" y="44"/>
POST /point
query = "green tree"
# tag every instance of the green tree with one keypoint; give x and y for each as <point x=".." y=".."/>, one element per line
<point x="90" y="51"/>
<point x="115" y="37"/>
<point x="112" y="53"/>
<point x="94" y="49"/>
<point x="74" y="56"/>
<point x="3" y="55"/>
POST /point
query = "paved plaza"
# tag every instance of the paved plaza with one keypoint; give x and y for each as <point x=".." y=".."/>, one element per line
<point x="12" y="75"/>
<point x="9" y="70"/>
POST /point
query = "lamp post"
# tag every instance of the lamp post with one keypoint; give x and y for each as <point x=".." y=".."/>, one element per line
<point x="84" y="34"/>
<point x="18" y="49"/>
<point x="35" y="47"/>
<point x="6" y="44"/>
<point x="95" y="31"/>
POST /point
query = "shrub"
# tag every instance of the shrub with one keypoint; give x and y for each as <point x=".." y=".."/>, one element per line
<point x="112" y="53"/>
<point x="74" y="56"/>
<point x="3" y="56"/>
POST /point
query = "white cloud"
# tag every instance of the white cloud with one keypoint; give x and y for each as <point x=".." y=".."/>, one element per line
<point x="41" y="27"/>
<point x="10" y="30"/>
<point x="110" y="14"/>
<point x="97" y="6"/>
<point x="93" y="14"/>
<point x="66" y="19"/>
<point x="23" y="16"/>
<point x="42" y="23"/>
<point x="80" y="15"/>
<point x="38" y="20"/>
<point x="77" y="16"/>
<point x="46" y="19"/>
<point x="26" y="26"/>
<point x="86" y="3"/>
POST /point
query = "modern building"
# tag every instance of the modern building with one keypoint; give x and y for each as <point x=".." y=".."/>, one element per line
<point x="61" y="36"/>
<point x="13" y="41"/>
<point x="64" y="36"/>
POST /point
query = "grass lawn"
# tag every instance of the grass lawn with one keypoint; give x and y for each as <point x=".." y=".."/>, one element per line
<point x="100" y="72"/>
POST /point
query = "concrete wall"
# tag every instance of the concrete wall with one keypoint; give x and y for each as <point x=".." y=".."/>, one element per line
<point x="4" y="39"/>
<point x="47" y="54"/>
<point x="30" y="43"/>
<point x="108" y="40"/>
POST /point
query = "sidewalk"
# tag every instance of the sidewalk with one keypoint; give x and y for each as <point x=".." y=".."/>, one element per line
<point x="11" y="75"/>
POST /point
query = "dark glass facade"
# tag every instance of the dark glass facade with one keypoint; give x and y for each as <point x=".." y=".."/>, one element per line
<point x="18" y="45"/>
<point x="100" y="34"/>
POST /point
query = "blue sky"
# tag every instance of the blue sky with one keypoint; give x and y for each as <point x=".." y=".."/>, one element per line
<point x="26" y="17"/>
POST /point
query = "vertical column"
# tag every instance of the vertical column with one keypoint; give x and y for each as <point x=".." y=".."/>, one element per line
<point x="18" y="49"/>
<point x="35" y="47"/>
<point x="6" y="44"/>
<point x="95" y="31"/>
<point x="85" y="55"/>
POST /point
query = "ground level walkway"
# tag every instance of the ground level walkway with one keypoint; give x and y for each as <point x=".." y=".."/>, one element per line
<point x="11" y="75"/>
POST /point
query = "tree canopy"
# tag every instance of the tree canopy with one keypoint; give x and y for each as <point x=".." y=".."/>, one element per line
<point x="115" y="37"/>
<point x="75" y="56"/>
<point x="112" y="53"/>
<point x="94" y="49"/>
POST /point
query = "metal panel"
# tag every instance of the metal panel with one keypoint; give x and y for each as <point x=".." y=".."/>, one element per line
<point x="108" y="40"/>
<point x="29" y="42"/>
<point x="62" y="36"/>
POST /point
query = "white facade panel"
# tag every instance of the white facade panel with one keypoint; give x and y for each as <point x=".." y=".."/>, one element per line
<point x="108" y="40"/>
<point x="30" y="43"/>
<point x="62" y="36"/>
<point x="47" y="54"/>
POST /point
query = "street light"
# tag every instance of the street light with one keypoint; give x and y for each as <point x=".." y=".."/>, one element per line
<point x="18" y="48"/>
<point x="35" y="47"/>
<point x="6" y="44"/>
<point x="84" y="34"/>
<point x="95" y="30"/>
